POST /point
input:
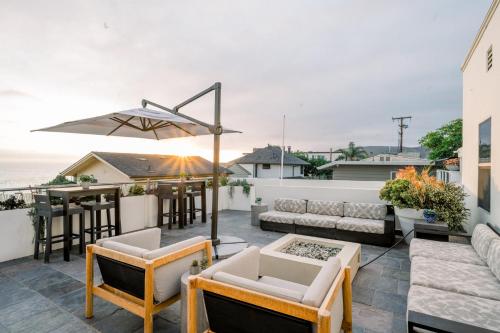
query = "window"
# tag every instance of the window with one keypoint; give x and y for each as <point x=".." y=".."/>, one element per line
<point x="266" y="166"/>
<point x="489" y="58"/>
<point x="484" y="168"/>
<point x="301" y="169"/>
<point x="393" y="174"/>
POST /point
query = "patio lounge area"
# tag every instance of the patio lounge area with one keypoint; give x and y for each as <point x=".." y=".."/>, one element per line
<point x="51" y="297"/>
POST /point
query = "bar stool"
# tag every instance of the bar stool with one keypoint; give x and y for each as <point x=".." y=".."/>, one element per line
<point x="192" y="194"/>
<point x="45" y="211"/>
<point x="95" y="208"/>
<point x="166" y="192"/>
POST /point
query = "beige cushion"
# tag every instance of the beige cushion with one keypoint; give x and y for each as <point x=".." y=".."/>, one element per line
<point x="323" y="207"/>
<point x="167" y="278"/>
<point x="290" y="205"/>
<point x="494" y="258"/>
<point x="361" y="225"/>
<point x="288" y="294"/>
<point x="365" y="210"/>
<point x="444" y="251"/>
<point x="321" y="284"/>
<point x="279" y="217"/>
<point x="270" y="280"/>
<point x="244" y="264"/>
<point x="317" y="220"/>
<point x="147" y="239"/>
<point x="124" y="248"/>
<point x="481" y="239"/>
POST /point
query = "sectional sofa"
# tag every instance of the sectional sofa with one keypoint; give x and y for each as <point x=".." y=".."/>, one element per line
<point x="356" y="222"/>
<point x="456" y="287"/>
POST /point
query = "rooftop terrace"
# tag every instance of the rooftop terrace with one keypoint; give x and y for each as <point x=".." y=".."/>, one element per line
<point x="51" y="297"/>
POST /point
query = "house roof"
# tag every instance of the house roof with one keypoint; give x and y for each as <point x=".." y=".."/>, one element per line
<point x="375" y="161"/>
<point x="480" y="33"/>
<point x="269" y="155"/>
<point x="238" y="170"/>
<point x="150" y="165"/>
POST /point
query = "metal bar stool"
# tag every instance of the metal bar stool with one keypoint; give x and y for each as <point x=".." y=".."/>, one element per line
<point x="95" y="208"/>
<point x="45" y="211"/>
<point x="194" y="192"/>
<point x="166" y="192"/>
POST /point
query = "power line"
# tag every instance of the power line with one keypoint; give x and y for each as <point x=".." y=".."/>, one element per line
<point x="402" y="126"/>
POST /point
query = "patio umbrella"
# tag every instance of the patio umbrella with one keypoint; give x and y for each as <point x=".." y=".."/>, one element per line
<point x="154" y="124"/>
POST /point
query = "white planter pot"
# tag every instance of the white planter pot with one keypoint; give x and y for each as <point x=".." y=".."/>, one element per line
<point x="85" y="185"/>
<point x="407" y="218"/>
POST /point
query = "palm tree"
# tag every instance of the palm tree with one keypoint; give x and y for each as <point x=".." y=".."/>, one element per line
<point x="351" y="153"/>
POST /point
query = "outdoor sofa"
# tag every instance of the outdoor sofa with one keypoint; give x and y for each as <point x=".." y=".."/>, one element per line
<point x="139" y="275"/>
<point x="456" y="287"/>
<point x="244" y="294"/>
<point x="355" y="222"/>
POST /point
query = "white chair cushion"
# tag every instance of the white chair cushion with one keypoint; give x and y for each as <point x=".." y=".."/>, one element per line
<point x="290" y="205"/>
<point x="316" y="220"/>
<point x="361" y="225"/>
<point x="147" y="239"/>
<point x="481" y="239"/>
<point x="244" y="264"/>
<point x="124" y="248"/>
<point x="318" y="289"/>
<point x="323" y="207"/>
<point x="278" y="217"/>
<point x="445" y="251"/>
<point x="494" y="258"/>
<point x="238" y="281"/>
<point x="272" y="281"/>
<point x="365" y="210"/>
<point x="167" y="278"/>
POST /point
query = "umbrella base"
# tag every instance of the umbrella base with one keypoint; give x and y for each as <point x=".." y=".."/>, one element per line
<point x="227" y="247"/>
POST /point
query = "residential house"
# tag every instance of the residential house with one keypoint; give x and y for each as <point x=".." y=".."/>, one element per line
<point x="121" y="167"/>
<point x="329" y="155"/>
<point x="266" y="163"/>
<point x="376" y="168"/>
<point x="481" y="127"/>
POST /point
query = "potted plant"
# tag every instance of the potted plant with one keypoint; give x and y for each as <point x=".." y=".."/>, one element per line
<point x="195" y="268"/>
<point x="452" y="164"/>
<point x="86" y="180"/>
<point x="412" y="193"/>
<point x="258" y="200"/>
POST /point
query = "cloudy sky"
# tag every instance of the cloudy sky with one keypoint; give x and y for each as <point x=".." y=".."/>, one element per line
<point x="339" y="70"/>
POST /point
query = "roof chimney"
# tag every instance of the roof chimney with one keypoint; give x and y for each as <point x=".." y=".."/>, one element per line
<point x="289" y="149"/>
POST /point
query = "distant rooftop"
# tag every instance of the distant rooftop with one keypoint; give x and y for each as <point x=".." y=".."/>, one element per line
<point x="268" y="155"/>
<point x="383" y="159"/>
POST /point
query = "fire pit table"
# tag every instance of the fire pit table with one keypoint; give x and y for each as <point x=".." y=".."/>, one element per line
<point x="304" y="256"/>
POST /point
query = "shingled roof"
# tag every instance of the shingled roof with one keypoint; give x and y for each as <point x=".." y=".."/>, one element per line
<point x="153" y="165"/>
<point x="269" y="155"/>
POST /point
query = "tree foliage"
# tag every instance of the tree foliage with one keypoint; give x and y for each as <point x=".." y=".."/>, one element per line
<point x="59" y="180"/>
<point x="444" y="142"/>
<point x="352" y="153"/>
<point x="311" y="170"/>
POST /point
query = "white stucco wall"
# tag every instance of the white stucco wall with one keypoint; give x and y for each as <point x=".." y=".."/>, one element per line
<point x="481" y="100"/>
<point x="104" y="173"/>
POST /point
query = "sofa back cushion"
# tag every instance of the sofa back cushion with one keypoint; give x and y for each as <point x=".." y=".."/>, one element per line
<point x="365" y="210"/>
<point x="147" y="239"/>
<point x="318" y="289"/>
<point x="124" y="248"/>
<point x="238" y="281"/>
<point x="481" y="240"/>
<point x="323" y="207"/>
<point x="245" y="264"/>
<point x="290" y="205"/>
<point x="494" y="258"/>
<point x="167" y="278"/>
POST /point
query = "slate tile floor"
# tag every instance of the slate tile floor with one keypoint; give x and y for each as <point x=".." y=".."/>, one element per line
<point x="38" y="297"/>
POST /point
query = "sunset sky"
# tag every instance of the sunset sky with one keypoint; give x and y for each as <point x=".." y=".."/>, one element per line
<point x="339" y="70"/>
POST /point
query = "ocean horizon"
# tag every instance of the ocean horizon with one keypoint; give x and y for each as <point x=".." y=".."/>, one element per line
<point x="25" y="173"/>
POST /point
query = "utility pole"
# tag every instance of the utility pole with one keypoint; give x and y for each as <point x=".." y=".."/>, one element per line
<point x="402" y="126"/>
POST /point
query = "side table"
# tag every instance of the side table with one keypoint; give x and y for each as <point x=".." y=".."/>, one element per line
<point x="435" y="231"/>
<point x="256" y="210"/>
<point x="201" y="312"/>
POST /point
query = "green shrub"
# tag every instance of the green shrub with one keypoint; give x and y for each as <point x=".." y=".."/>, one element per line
<point x="87" y="179"/>
<point x="136" y="190"/>
<point x="12" y="203"/>
<point x="240" y="182"/>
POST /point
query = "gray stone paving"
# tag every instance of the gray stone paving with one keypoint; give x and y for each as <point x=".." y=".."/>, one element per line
<point x="38" y="297"/>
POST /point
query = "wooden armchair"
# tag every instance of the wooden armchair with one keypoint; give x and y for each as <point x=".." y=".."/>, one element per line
<point x="240" y="298"/>
<point x="137" y="274"/>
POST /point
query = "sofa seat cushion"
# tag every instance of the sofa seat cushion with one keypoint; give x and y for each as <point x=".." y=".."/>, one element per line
<point x="272" y="281"/>
<point x="317" y="220"/>
<point x="323" y="207"/>
<point x="264" y="288"/>
<point x="481" y="239"/>
<point x="427" y="304"/>
<point x="124" y="248"/>
<point x="290" y="205"/>
<point x="278" y="217"/>
<point x="456" y="277"/>
<point x="365" y="210"/>
<point x="494" y="258"/>
<point x="445" y="251"/>
<point x="148" y="239"/>
<point x="361" y="225"/>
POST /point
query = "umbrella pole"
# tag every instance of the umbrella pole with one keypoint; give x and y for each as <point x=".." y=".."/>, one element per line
<point x="215" y="182"/>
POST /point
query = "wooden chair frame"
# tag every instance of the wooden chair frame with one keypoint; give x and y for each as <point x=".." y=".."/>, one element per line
<point x="143" y="308"/>
<point x="320" y="316"/>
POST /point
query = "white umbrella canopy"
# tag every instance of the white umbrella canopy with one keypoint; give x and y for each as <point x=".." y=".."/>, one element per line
<point x="138" y="123"/>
